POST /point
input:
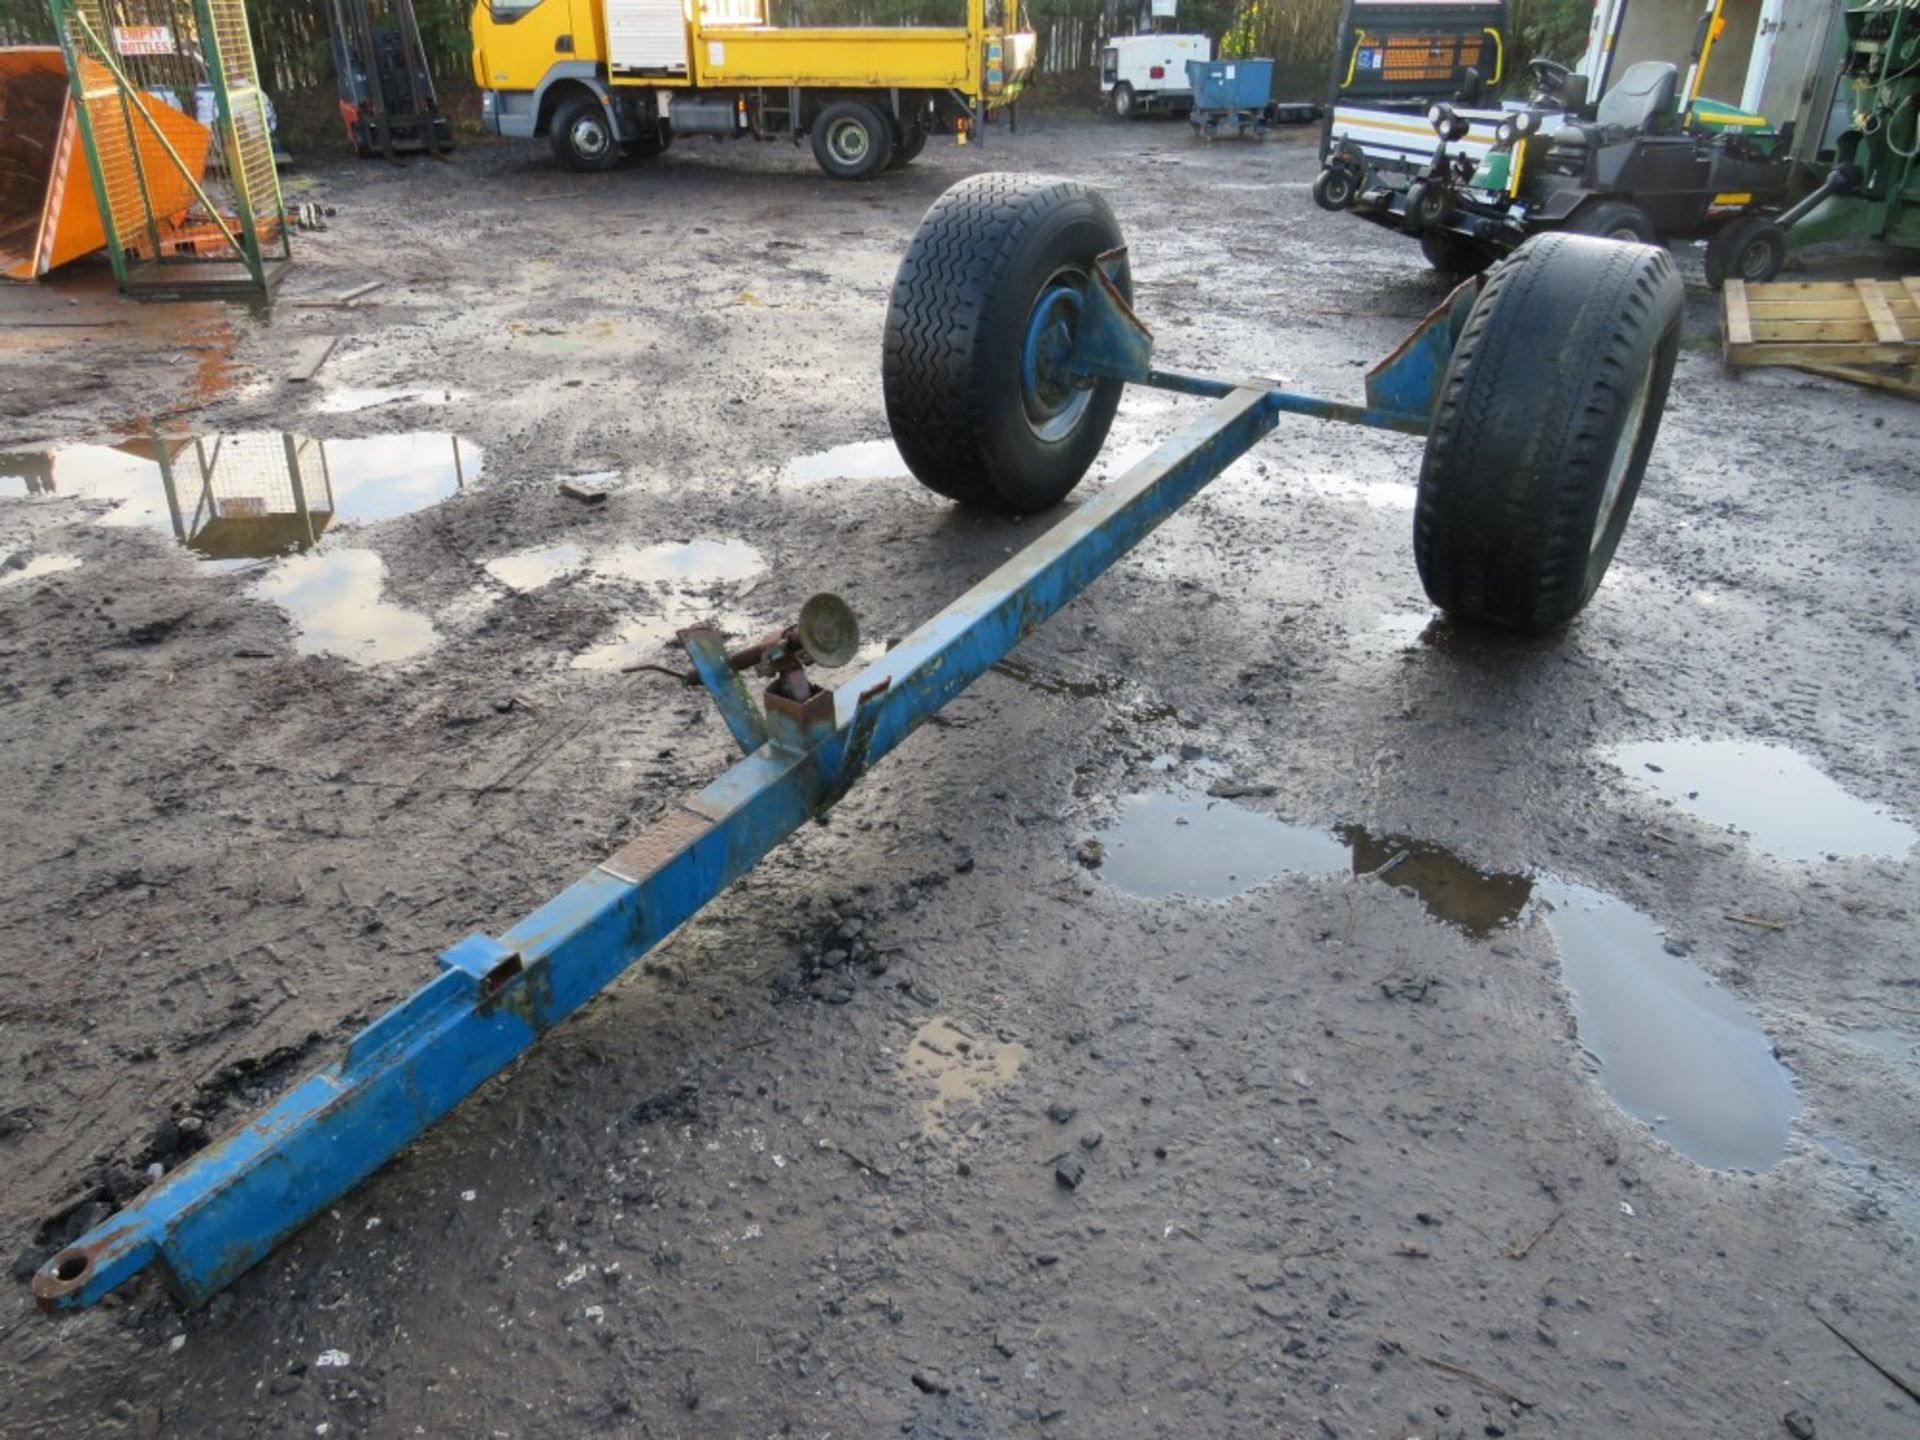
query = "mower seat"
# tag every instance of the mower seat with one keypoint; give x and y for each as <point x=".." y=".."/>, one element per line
<point x="1632" y="106"/>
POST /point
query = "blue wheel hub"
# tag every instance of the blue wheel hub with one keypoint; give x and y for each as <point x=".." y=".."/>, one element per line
<point x="1053" y="395"/>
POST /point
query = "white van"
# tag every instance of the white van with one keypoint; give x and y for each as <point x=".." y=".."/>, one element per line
<point x="1139" y="73"/>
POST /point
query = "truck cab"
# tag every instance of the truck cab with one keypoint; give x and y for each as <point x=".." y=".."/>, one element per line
<point x="600" y="78"/>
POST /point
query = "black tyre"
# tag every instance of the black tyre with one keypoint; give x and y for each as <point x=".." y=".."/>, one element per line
<point x="912" y="141"/>
<point x="1428" y="203"/>
<point x="1122" y="101"/>
<point x="1752" y="248"/>
<point x="1614" y="220"/>
<point x="984" y="309"/>
<point x="652" y="142"/>
<point x="1453" y="254"/>
<point x="1547" y="414"/>
<point x="582" y="134"/>
<point x="1336" y="188"/>
<point x="852" y="139"/>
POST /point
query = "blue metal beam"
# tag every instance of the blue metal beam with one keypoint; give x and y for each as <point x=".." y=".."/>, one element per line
<point x="228" y="1207"/>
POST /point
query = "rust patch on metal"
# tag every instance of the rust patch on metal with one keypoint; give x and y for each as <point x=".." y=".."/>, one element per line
<point x="656" y="845"/>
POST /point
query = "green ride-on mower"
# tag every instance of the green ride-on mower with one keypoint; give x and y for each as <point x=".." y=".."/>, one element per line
<point x="1653" y="159"/>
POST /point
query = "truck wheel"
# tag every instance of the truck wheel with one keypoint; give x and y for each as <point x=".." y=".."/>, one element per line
<point x="582" y="134"/>
<point x="1753" y="248"/>
<point x="912" y="141"/>
<point x="852" y="139"/>
<point x="1337" y="188"/>
<point x="1546" y="416"/>
<point x="1122" y="100"/>
<point x="1614" y="220"/>
<point x="984" y="310"/>
<point x="1453" y="254"/>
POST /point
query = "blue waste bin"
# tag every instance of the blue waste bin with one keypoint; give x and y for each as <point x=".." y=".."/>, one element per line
<point x="1230" y="84"/>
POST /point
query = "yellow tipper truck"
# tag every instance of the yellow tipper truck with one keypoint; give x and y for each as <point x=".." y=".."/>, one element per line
<point x="603" y="77"/>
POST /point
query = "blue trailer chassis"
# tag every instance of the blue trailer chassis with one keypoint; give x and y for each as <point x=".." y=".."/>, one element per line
<point x="494" y="997"/>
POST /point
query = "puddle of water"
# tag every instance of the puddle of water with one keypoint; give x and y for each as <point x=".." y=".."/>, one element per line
<point x="527" y="570"/>
<point x="249" y="495"/>
<point x="964" y="1069"/>
<point x="1777" y="797"/>
<point x="695" y="582"/>
<point x="1477" y="901"/>
<point x="352" y="401"/>
<point x="333" y="599"/>
<point x="696" y="563"/>
<point x="862" y="460"/>
<point x="1185" y="843"/>
<point x="18" y="574"/>
<point x="1898" y="1046"/>
<point x="1895" y="1193"/>
<point x="1675" y="1050"/>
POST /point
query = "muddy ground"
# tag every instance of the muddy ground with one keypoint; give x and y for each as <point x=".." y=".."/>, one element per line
<point x="1349" y="1150"/>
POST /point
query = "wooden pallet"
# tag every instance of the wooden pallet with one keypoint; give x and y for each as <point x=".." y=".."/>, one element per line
<point x="1843" y="323"/>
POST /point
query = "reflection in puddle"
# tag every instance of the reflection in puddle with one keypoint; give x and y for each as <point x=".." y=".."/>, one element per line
<point x="351" y="402"/>
<point x="252" y="494"/>
<point x="334" y="601"/>
<point x="1478" y="901"/>
<point x="527" y="570"/>
<point x="1675" y="1050"/>
<point x="16" y="571"/>
<point x="1789" y="807"/>
<point x="964" y="1069"/>
<point x="1185" y="843"/>
<point x="694" y="563"/>
<point x="862" y="460"/>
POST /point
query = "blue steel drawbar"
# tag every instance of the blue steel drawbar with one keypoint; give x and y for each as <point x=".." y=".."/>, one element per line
<point x="231" y="1204"/>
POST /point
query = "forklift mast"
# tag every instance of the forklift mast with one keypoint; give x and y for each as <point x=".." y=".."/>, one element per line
<point x="387" y="99"/>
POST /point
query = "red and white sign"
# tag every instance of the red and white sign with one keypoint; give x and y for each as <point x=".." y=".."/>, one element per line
<point x="143" y="39"/>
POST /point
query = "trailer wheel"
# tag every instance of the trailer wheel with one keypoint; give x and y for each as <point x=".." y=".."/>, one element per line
<point x="1337" y="187"/>
<point x="984" y="308"/>
<point x="1546" y="416"/>
<point x="1614" y="220"/>
<point x="913" y="140"/>
<point x="1453" y="254"/>
<point x="852" y="139"/>
<point x="582" y="134"/>
<point x="1122" y="100"/>
<point x="1752" y="248"/>
<point x="1427" y="204"/>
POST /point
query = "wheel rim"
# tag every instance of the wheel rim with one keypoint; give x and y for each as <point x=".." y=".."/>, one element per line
<point x="1052" y="397"/>
<point x="589" y="137"/>
<point x="1756" y="260"/>
<point x="1339" y="189"/>
<point x="1629" y="233"/>
<point x="1622" y="462"/>
<point x="848" y="141"/>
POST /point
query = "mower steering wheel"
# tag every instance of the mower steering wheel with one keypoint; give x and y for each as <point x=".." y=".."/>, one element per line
<point x="1549" y="75"/>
